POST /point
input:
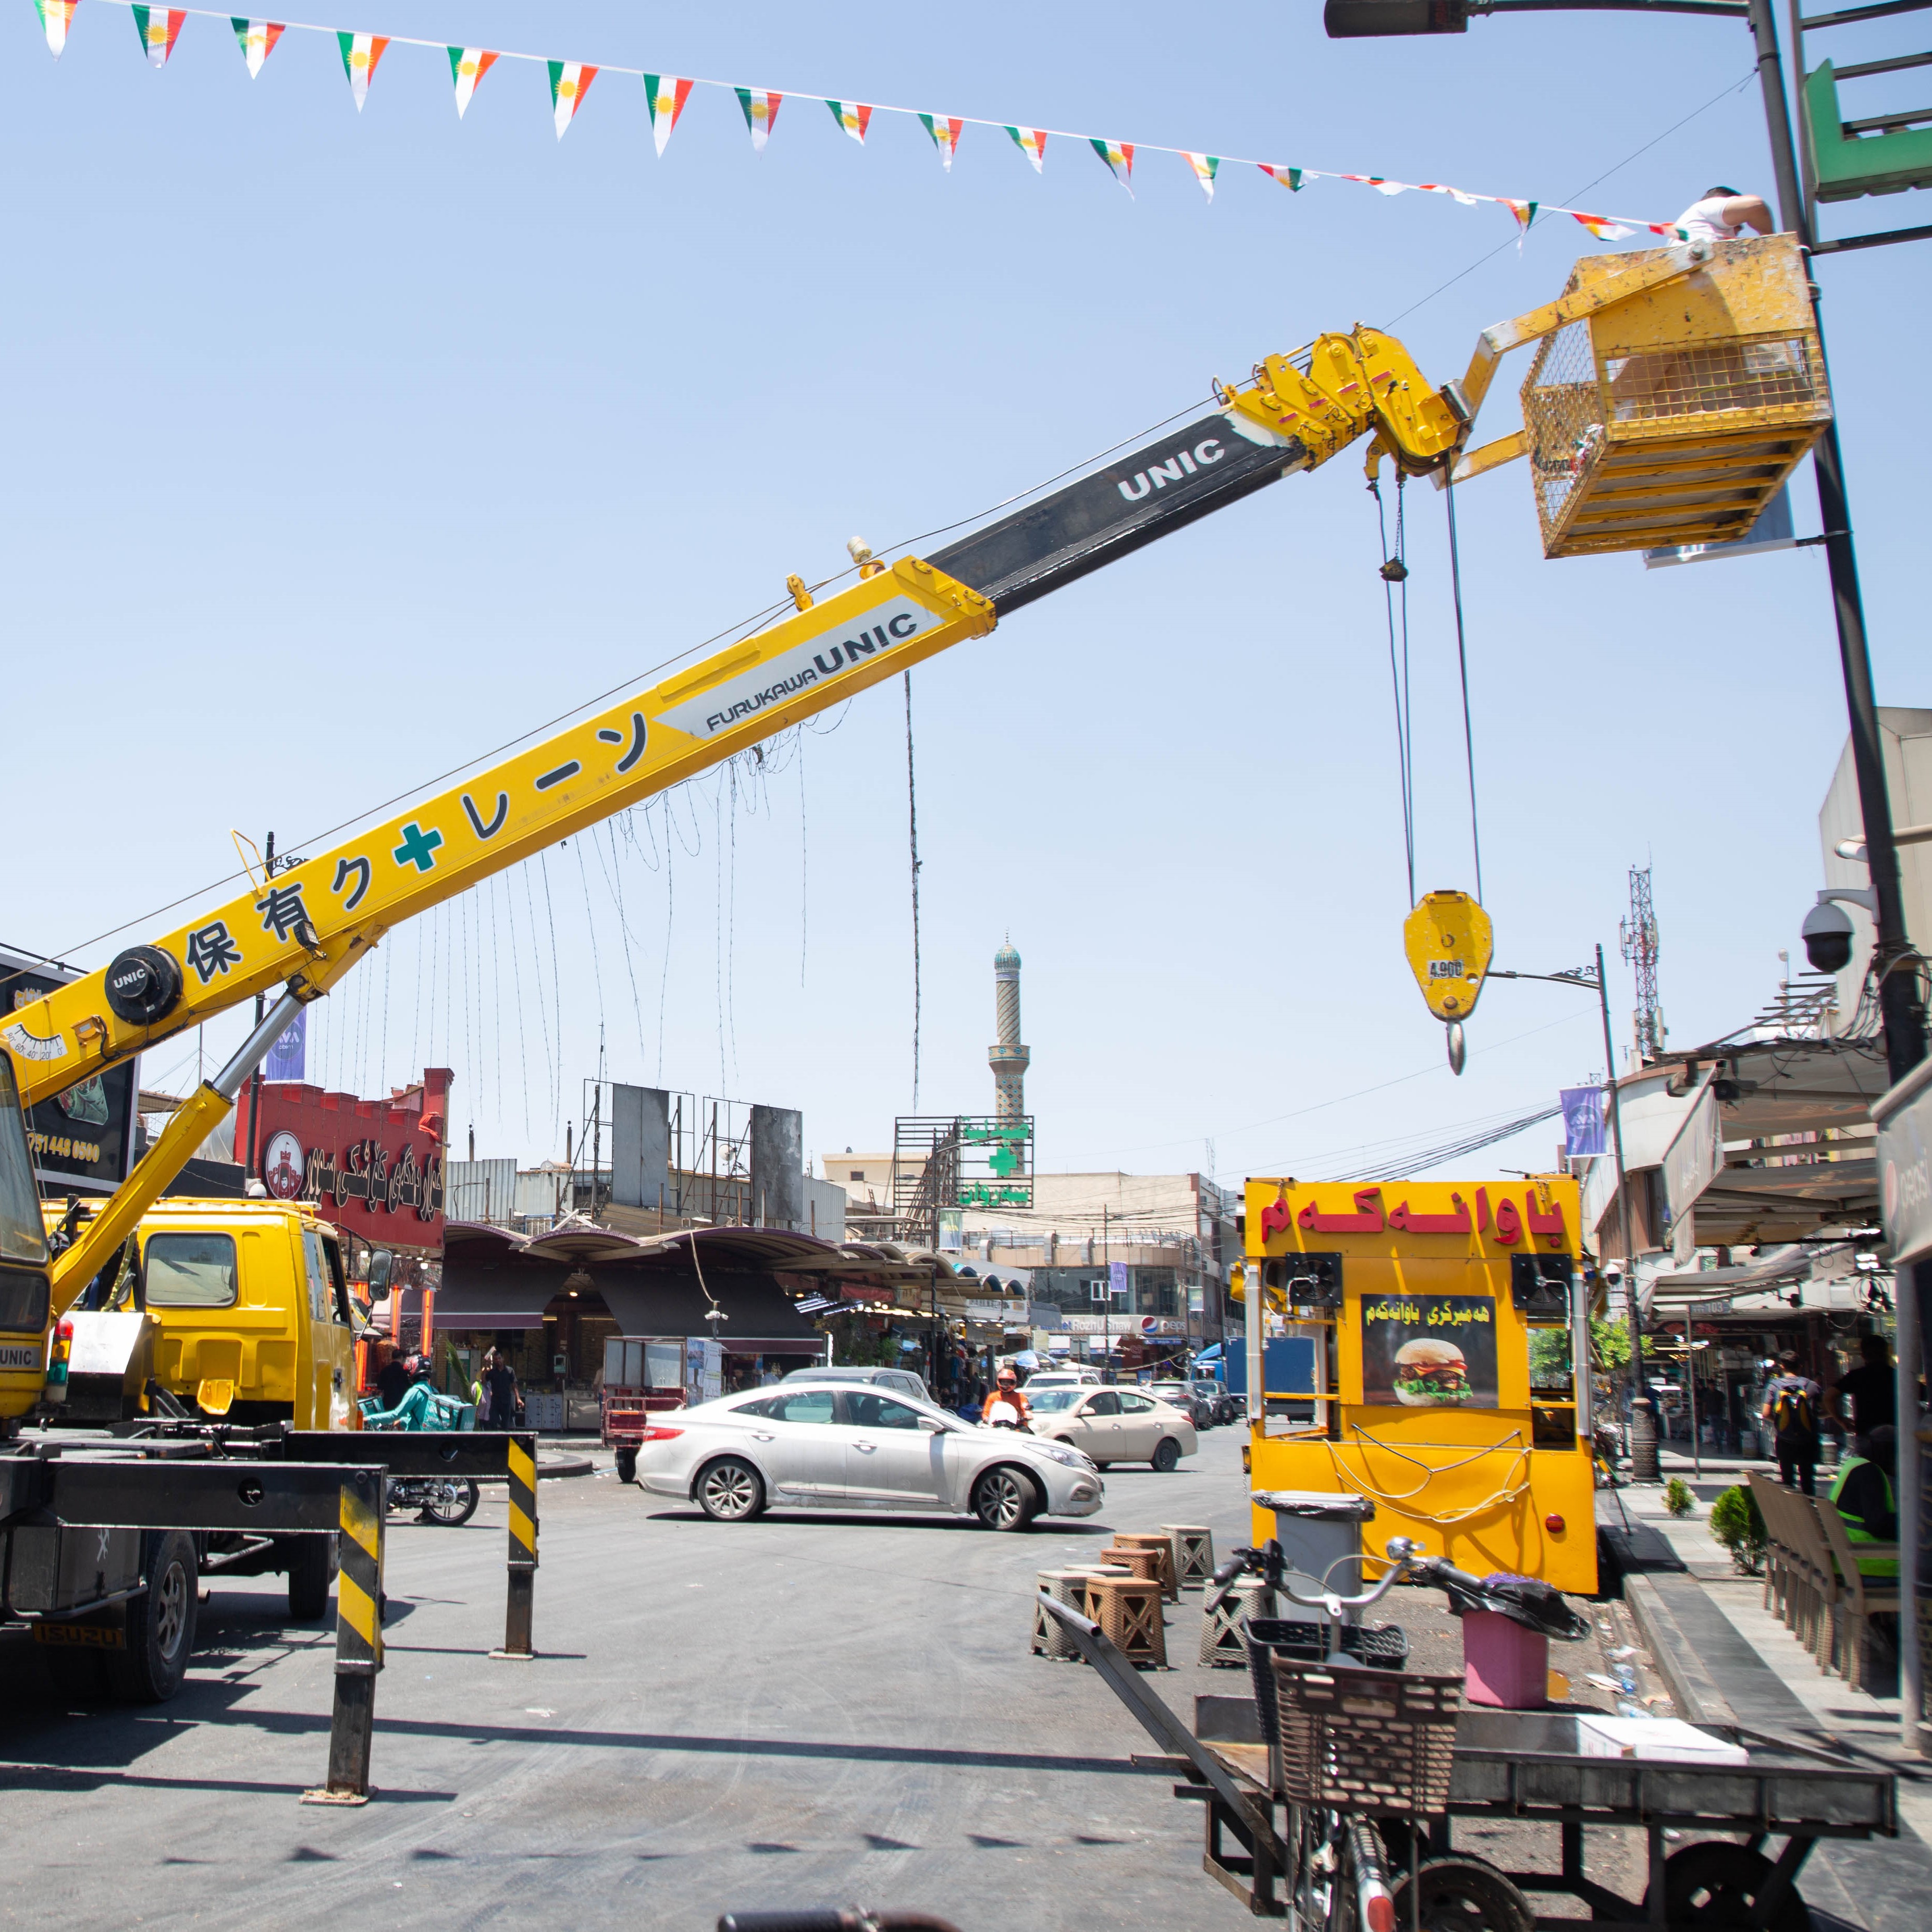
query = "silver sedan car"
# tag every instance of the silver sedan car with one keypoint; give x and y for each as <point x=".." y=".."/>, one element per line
<point x="1113" y="1425"/>
<point x="851" y="1445"/>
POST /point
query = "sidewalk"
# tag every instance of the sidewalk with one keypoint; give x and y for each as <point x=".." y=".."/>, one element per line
<point x="1776" y="1688"/>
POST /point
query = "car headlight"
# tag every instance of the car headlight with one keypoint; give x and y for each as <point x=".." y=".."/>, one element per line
<point x="1071" y="1459"/>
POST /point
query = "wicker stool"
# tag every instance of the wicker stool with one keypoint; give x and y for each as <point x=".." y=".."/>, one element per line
<point x="1222" y="1641"/>
<point x="1162" y="1544"/>
<point x="1194" y="1546"/>
<point x="1085" y="1573"/>
<point x="1130" y="1615"/>
<point x="1143" y="1563"/>
<point x="1049" y="1635"/>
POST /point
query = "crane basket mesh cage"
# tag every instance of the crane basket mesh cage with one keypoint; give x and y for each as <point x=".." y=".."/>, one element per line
<point x="1674" y="416"/>
<point x="1366" y="1740"/>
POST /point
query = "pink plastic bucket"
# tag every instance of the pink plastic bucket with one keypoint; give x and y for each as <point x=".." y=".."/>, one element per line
<point x="1503" y="1665"/>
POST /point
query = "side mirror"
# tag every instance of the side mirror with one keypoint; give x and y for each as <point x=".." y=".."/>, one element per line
<point x="382" y="1266"/>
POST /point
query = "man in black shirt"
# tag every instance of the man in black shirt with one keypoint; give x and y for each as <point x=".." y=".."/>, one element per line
<point x="1872" y="1389"/>
<point x="393" y="1379"/>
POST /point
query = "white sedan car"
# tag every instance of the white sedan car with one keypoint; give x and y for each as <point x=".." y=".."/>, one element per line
<point x="850" y="1445"/>
<point x="1113" y="1425"/>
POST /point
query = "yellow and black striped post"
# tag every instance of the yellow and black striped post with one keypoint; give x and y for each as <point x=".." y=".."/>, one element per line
<point x="358" y="1640"/>
<point x="523" y="1554"/>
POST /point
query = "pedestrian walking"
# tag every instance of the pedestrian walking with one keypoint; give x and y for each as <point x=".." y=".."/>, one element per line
<point x="1791" y="1405"/>
<point x="500" y="1385"/>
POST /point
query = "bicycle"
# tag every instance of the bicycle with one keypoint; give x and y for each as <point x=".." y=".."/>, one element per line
<point x="1341" y="1855"/>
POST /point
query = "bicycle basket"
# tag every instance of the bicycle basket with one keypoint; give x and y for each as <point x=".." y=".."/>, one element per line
<point x="1357" y="1739"/>
<point x="1385" y="1646"/>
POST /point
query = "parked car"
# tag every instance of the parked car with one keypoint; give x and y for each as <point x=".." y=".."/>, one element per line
<point x="903" y="1380"/>
<point x="1065" y="1378"/>
<point x="814" y="1443"/>
<point x="1113" y="1425"/>
<point x="1182" y="1397"/>
<point x="1227" y="1408"/>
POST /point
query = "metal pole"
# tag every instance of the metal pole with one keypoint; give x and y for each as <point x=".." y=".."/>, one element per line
<point x="1643" y="1424"/>
<point x="1911" y="1472"/>
<point x="1901" y="1006"/>
<point x="1690" y="1388"/>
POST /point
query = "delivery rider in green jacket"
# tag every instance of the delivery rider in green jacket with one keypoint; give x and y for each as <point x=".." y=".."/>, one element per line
<point x="1863" y="1496"/>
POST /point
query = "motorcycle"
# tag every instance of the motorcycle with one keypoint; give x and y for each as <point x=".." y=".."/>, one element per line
<point x="448" y="1501"/>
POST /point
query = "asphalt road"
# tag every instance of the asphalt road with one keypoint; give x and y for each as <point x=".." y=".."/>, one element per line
<point x="804" y="1710"/>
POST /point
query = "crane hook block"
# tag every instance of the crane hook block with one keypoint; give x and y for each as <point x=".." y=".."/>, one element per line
<point x="1450" y="943"/>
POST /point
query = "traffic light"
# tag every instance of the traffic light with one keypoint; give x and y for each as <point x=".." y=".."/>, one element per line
<point x="1366" y="19"/>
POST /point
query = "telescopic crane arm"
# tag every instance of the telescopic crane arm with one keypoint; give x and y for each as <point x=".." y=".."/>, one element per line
<point x="303" y="928"/>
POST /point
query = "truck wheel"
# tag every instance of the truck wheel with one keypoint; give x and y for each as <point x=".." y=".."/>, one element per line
<point x="1167" y="1453"/>
<point x="627" y="1466"/>
<point x="161" y="1624"/>
<point x="311" y="1570"/>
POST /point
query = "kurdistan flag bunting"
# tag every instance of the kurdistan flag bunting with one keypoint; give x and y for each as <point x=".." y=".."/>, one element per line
<point x="1031" y="141"/>
<point x="944" y="130"/>
<point x="1454" y="193"/>
<point x="1525" y="212"/>
<point x="256" y="39"/>
<point x="1380" y="183"/>
<point x="56" y="16"/>
<point x="159" y="27"/>
<point x="854" y="116"/>
<point x="569" y="82"/>
<point x="360" y="53"/>
<point x="1601" y="226"/>
<point x="467" y="66"/>
<point x="664" y="95"/>
<point x="1206" y="167"/>
<point x="761" y="113"/>
<point x="1119" y="156"/>
<point x="1289" y="178"/>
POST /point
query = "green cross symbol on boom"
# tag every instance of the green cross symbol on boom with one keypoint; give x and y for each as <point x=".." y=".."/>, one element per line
<point x="418" y="848"/>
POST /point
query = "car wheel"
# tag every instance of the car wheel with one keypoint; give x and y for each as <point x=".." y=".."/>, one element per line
<point x="730" y="1491"/>
<point x="627" y="1466"/>
<point x="160" y="1625"/>
<point x="1004" y="1499"/>
<point x="1167" y="1453"/>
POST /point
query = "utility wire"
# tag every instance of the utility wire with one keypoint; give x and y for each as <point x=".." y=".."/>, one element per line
<point x="1463" y="665"/>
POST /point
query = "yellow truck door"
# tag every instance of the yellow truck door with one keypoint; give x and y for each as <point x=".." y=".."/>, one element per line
<point x="327" y="1377"/>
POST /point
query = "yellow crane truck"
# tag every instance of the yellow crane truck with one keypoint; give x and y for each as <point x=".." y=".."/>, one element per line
<point x="1674" y="390"/>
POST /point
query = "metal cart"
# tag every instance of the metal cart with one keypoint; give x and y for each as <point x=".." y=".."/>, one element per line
<point x="1529" y="1766"/>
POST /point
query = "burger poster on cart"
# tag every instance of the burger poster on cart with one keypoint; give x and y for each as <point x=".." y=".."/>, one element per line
<point x="1429" y="1351"/>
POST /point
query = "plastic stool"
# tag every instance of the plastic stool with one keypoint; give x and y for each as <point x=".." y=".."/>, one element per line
<point x="1130" y="1615"/>
<point x="1222" y="1643"/>
<point x="1162" y="1544"/>
<point x="1140" y="1561"/>
<point x="1194" y="1553"/>
<point x="1049" y="1635"/>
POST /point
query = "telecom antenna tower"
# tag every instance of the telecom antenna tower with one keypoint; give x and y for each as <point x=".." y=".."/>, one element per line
<point x="1638" y="933"/>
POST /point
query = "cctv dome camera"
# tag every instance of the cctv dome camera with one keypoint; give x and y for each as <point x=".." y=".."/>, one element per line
<point x="1827" y="935"/>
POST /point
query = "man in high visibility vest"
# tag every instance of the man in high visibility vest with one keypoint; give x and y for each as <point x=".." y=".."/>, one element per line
<point x="1862" y="1494"/>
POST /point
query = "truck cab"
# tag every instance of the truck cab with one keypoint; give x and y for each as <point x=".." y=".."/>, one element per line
<point x="250" y="1304"/>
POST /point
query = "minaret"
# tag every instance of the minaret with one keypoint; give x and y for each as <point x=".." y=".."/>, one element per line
<point x="1008" y="1059"/>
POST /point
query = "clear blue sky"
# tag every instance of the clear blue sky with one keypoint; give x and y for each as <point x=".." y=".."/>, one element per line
<point x="342" y="448"/>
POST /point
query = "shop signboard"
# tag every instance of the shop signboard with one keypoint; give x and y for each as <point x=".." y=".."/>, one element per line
<point x="374" y="1167"/>
<point x="1904" y="1119"/>
<point x="83" y="1140"/>
<point x="1429" y="1351"/>
<point x="996" y="1311"/>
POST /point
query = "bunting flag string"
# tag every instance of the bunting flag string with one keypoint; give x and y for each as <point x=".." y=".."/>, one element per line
<point x="256" y="39"/>
<point x="159" y="27"/>
<point x="854" y="116"/>
<point x="569" y="82"/>
<point x="944" y="130"/>
<point x="1119" y="156"/>
<point x="1031" y="141"/>
<point x="666" y="96"/>
<point x="56" y="17"/>
<point x="360" y="53"/>
<point x="761" y="114"/>
<point x="467" y="66"/>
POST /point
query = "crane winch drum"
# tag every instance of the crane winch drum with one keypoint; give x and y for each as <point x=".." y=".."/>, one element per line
<point x="1675" y="415"/>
